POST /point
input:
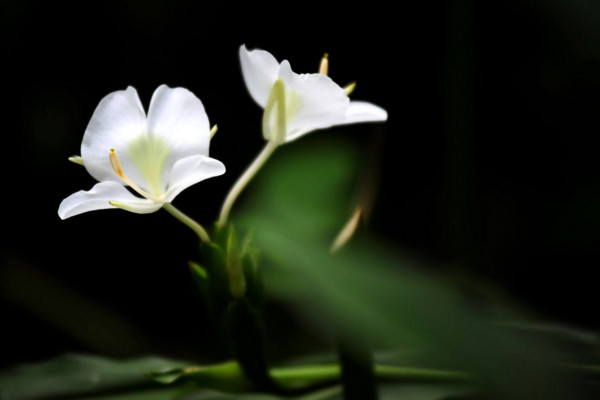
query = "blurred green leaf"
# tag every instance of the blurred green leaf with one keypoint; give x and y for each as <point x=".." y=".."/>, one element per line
<point x="164" y="393"/>
<point x="227" y="376"/>
<point x="301" y="377"/>
<point x="78" y="376"/>
<point x="373" y="292"/>
<point x="386" y="392"/>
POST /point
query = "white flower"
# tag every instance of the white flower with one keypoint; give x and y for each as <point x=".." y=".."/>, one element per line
<point x="312" y="101"/>
<point x="158" y="156"/>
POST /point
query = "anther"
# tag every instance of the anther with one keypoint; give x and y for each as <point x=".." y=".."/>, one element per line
<point x="324" y="67"/>
<point x="349" y="88"/>
<point x="347" y="231"/>
<point x="214" y="130"/>
<point x="116" y="163"/>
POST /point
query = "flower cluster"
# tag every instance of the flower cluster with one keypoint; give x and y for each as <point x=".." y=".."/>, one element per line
<point x="159" y="154"/>
<point x="143" y="161"/>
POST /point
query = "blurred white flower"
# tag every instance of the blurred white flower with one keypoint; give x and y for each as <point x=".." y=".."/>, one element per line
<point x="312" y="101"/>
<point x="158" y="155"/>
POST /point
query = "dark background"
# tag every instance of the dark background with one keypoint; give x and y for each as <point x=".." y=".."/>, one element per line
<point x="487" y="162"/>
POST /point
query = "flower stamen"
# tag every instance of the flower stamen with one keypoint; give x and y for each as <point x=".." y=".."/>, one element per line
<point x="117" y="167"/>
<point x="324" y="66"/>
<point x="349" y="88"/>
<point x="213" y="130"/>
<point x="76" y="160"/>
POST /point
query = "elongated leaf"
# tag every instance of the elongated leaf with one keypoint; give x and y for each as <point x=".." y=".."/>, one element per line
<point x="375" y="294"/>
<point x="78" y="375"/>
<point x="386" y="392"/>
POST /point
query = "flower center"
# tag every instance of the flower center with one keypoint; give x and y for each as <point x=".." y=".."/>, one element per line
<point x="149" y="154"/>
<point x="280" y="109"/>
<point x="116" y="164"/>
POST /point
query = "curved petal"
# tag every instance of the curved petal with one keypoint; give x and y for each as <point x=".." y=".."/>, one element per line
<point x="117" y="120"/>
<point x="140" y="206"/>
<point x="260" y="70"/>
<point x="98" y="198"/>
<point x="313" y="101"/>
<point x="178" y="116"/>
<point x="361" y="111"/>
<point x="192" y="170"/>
<point x="178" y="128"/>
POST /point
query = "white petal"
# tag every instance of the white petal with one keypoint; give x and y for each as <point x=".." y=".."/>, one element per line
<point x="361" y="111"/>
<point x="192" y="170"/>
<point x="98" y="198"/>
<point x="140" y="206"/>
<point x="117" y="120"/>
<point x="178" y="116"/>
<point x="260" y="70"/>
<point x="178" y="128"/>
<point x="313" y="101"/>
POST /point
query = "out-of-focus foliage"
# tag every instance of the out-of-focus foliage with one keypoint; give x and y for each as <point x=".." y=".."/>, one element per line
<point x="96" y="378"/>
<point x="374" y="292"/>
<point x="387" y="392"/>
<point x="77" y="376"/>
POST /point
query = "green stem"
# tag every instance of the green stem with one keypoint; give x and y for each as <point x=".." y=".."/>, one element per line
<point x="326" y="393"/>
<point x="244" y="180"/>
<point x="306" y="377"/>
<point x="246" y="336"/>
<point x="357" y="370"/>
<point x="229" y="376"/>
<point x="196" y="227"/>
<point x="275" y="103"/>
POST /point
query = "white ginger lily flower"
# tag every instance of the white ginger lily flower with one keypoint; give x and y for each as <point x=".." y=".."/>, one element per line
<point x="312" y="101"/>
<point x="157" y="156"/>
<point x="294" y="105"/>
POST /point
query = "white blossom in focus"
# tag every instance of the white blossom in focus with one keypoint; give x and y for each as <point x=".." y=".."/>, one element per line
<point x="157" y="155"/>
<point x="312" y="101"/>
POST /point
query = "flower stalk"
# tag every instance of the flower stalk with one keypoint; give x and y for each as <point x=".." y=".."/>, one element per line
<point x="196" y="227"/>
<point x="275" y="104"/>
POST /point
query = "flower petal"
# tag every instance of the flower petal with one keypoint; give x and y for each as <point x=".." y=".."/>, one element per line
<point x="260" y="70"/>
<point x="178" y="116"/>
<point x="98" y="198"/>
<point x="117" y="120"/>
<point x="192" y="170"/>
<point x="139" y="206"/>
<point x="313" y="101"/>
<point x="361" y="111"/>
<point x="178" y="128"/>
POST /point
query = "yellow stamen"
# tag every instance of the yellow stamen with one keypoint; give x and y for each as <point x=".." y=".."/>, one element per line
<point x="214" y="130"/>
<point x="324" y="67"/>
<point x="349" y="88"/>
<point x="116" y="164"/>
<point x="347" y="231"/>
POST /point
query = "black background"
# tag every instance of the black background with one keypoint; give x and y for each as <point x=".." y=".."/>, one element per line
<point x="488" y="162"/>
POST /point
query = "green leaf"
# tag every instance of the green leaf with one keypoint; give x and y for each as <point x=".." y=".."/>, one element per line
<point x="375" y="294"/>
<point x="78" y="375"/>
<point x="95" y="378"/>
<point x="227" y="376"/>
<point x="386" y="392"/>
<point x="164" y="393"/>
<point x="199" y="271"/>
<point x="246" y="337"/>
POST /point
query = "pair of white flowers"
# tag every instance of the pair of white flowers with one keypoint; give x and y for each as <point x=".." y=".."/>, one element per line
<point x="160" y="154"/>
